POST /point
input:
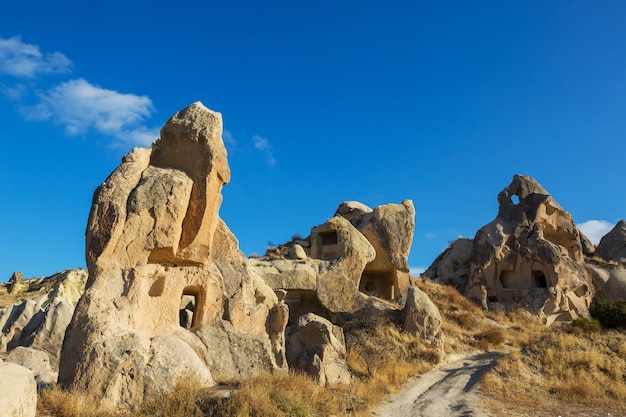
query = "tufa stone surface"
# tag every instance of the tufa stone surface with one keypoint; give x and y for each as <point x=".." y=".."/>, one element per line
<point x="531" y="255"/>
<point x="357" y="254"/>
<point x="317" y="347"/>
<point x="169" y="294"/>
<point x="18" y="391"/>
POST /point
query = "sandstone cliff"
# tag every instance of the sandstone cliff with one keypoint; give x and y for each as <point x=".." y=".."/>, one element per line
<point x="169" y="294"/>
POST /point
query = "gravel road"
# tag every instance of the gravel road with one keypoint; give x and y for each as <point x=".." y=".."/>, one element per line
<point x="447" y="391"/>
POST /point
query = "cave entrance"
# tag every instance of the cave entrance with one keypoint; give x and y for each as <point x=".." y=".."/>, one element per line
<point x="540" y="279"/>
<point x="189" y="310"/>
<point x="378" y="284"/>
<point x="302" y="302"/>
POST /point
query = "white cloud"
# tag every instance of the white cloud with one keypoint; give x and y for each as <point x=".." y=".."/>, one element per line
<point x="229" y="139"/>
<point x="260" y="143"/>
<point x="429" y="235"/>
<point x="264" y="146"/>
<point x="20" y="59"/>
<point x="79" y="106"/>
<point x="595" y="229"/>
<point x="416" y="270"/>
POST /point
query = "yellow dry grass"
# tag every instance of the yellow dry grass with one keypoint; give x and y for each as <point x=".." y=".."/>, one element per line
<point x="564" y="366"/>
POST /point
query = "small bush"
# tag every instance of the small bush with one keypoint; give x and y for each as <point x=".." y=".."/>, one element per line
<point x="585" y="325"/>
<point x="492" y="338"/>
<point x="610" y="313"/>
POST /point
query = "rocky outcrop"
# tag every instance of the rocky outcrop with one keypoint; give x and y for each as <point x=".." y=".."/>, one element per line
<point x="612" y="246"/>
<point x="18" y="391"/>
<point x="609" y="279"/>
<point x="40" y="310"/>
<point x="531" y="255"/>
<point x="317" y="347"/>
<point x="169" y="294"/>
<point x="357" y="254"/>
<point x="37" y="361"/>
<point x="421" y="316"/>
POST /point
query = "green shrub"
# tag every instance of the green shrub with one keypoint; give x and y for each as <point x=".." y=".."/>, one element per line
<point x="610" y="313"/>
<point x="586" y="325"/>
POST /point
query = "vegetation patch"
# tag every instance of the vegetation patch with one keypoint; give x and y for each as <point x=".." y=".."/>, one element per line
<point x="585" y="368"/>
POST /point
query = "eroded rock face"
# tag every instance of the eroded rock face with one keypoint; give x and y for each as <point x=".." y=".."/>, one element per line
<point x="421" y="316"/>
<point x="357" y="254"/>
<point x="39" y="316"/>
<point x="609" y="279"/>
<point x="169" y="293"/>
<point x="531" y="255"/>
<point x="317" y="347"/>
<point x="612" y="246"/>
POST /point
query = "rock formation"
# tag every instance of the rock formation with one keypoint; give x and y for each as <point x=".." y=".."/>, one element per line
<point x="317" y="347"/>
<point x="531" y="255"/>
<point x="39" y="311"/>
<point x="609" y="279"/>
<point x="169" y="294"/>
<point x="612" y="246"/>
<point x="357" y="254"/>
<point x="421" y="316"/>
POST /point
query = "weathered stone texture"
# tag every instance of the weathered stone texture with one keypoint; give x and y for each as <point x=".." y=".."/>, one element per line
<point x="169" y="293"/>
<point x="531" y="255"/>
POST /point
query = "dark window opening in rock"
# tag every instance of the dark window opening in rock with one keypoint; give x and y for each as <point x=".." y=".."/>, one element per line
<point x="190" y="307"/>
<point x="301" y="302"/>
<point x="540" y="279"/>
<point x="329" y="237"/>
<point x="378" y="284"/>
<point x="492" y="299"/>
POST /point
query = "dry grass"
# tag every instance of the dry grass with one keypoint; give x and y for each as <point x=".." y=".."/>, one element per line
<point x="565" y="366"/>
<point x="383" y="356"/>
<point x="283" y="395"/>
<point x="56" y="402"/>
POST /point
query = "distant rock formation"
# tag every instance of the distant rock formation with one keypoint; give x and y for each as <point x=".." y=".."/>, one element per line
<point x="169" y="294"/>
<point x="357" y="254"/>
<point x="531" y="255"/>
<point x="612" y="246"/>
<point x="35" y="316"/>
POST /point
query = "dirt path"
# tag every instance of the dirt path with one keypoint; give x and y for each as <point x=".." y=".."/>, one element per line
<point x="448" y="391"/>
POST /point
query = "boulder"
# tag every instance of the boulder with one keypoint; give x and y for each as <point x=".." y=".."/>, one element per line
<point x="37" y="361"/>
<point x="612" y="246"/>
<point x="421" y="316"/>
<point x="169" y="294"/>
<point x="18" y="391"/>
<point x="531" y="255"/>
<point x="317" y="347"/>
<point x="609" y="279"/>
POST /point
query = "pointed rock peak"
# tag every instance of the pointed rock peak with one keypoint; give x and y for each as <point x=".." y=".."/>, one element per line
<point x="192" y="140"/>
<point x="612" y="246"/>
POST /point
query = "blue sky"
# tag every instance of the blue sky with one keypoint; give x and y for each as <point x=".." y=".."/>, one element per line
<point x="439" y="102"/>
